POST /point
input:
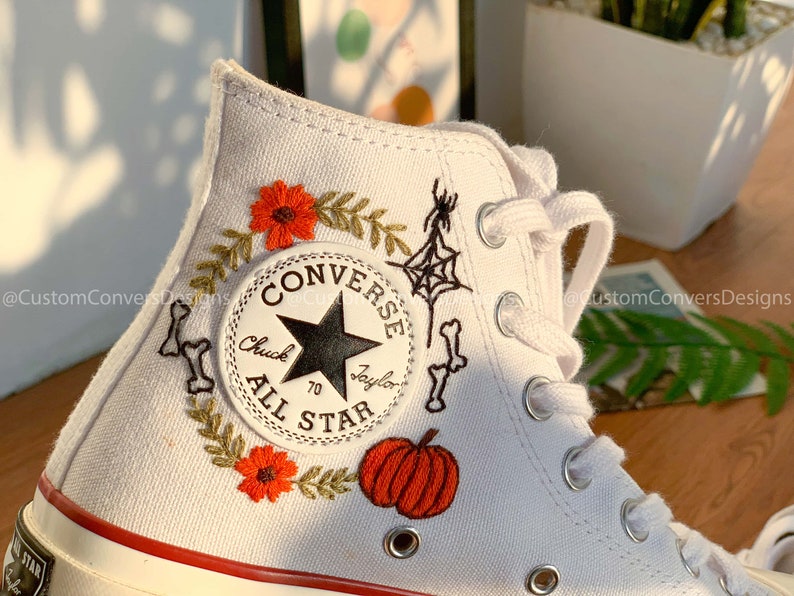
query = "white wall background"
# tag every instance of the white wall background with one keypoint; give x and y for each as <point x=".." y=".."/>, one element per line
<point x="499" y="39"/>
<point x="102" y="108"/>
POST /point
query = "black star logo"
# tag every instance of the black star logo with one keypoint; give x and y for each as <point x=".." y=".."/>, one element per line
<point x="325" y="346"/>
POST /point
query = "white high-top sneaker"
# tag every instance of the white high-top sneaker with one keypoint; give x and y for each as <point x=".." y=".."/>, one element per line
<point x="354" y="376"/>
<point x="774" y="547"/>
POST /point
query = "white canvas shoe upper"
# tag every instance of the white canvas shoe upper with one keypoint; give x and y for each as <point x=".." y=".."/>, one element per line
<point x="289" y="407"/>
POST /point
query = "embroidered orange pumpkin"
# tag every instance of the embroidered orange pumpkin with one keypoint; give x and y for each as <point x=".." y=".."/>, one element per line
<point x="419" y="480"/>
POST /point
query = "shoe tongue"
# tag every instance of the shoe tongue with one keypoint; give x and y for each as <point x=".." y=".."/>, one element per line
<point x="344" y="255"/>
<point x="539" y="161"/>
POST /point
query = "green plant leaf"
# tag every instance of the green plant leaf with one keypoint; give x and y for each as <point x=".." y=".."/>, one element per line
<point x="747" y="363"/>
<point x="777" y="382"/>
<point x="610" y="329"/>
<point x="643" y="329"/>
<point x="719" y="371"/>
<point x="784" y="335"/>
<point x="690" y="360"/>
<point x="722" y="353"/>
<point x="653" y="365"/>
<point x="588" y="334"/>
<point x="623" y="357"/>
<point x="654" y="15"/>
<point x="713" y="374"/>
<point x="734" y="24"/>
<point x="756" y="337"/>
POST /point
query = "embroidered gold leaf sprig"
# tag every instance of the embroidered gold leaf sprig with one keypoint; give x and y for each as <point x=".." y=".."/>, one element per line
<point x="333" y="211"/>
<point x="228" y="449"/>
<point x="327" y="486"/>
<point x="227" y="256"/>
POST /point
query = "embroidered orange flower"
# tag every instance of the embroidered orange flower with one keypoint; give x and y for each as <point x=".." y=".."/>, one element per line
<point x="284" y="213"/>
<point x="267" y="473"/>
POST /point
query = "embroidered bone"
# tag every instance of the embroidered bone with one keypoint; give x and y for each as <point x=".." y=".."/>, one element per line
<point x="440" y="373"/>
<point x="171" y="345"/>
<point x="199" y="381"/>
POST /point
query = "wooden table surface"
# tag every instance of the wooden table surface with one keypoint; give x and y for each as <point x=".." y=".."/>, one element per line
<point x="724" y="469"/>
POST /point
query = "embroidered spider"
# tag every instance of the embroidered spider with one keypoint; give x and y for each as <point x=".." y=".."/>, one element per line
<point x="432" y="269"/>
<point x="444" y="205"/>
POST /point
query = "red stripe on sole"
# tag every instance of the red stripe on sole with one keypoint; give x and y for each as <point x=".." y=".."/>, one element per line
<point x="177" y="554"/>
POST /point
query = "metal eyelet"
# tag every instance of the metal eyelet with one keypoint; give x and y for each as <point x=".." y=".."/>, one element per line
<point x="574" y="484"/>
<point x="543" y="580"/>
<point x="505" y="298"/>
<point x="724" y="586"/>
<point x="627" y="506"/>
<point x="482" y="213"/>
<point x="530" y="386"/>
<point x="402" y="542"/>
<point x="679" y="544"/>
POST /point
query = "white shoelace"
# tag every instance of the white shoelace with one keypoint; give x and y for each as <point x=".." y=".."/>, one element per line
<point x="548" y="216"/>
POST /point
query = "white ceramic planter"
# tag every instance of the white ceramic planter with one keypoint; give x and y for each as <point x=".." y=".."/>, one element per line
<point x="663" y="131"/>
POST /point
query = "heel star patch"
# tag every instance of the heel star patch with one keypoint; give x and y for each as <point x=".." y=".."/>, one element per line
<point x="318" y="347"/>
<point x="27" y="565"/>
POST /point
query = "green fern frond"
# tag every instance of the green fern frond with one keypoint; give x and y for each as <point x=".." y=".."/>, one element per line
<point x="721" y="353"/>
<point x="592" y="351"/>
<point x="778" y="375"/>
<point x="690" y="361"/>
<point x="653" y="366"/>
<point x="783" y="335"/>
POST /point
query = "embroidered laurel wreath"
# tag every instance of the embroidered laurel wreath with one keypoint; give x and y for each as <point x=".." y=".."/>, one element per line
<point x="419" y="480"/>
<point x="266" y="472"/>
<point x="284" y="213"/>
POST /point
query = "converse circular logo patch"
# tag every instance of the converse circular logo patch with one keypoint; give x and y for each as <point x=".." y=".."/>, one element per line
<point x="318" y="347"/>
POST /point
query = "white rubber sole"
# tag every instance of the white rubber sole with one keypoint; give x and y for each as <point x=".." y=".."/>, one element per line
<point x="88" y="556"/>
<point x="86" y="564"/>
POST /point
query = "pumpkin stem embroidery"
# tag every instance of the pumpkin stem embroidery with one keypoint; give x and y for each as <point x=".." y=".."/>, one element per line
<point x="429" y="436"/>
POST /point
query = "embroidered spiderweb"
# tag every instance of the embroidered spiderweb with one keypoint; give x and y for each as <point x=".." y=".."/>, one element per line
<point x="432" y="269"/>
